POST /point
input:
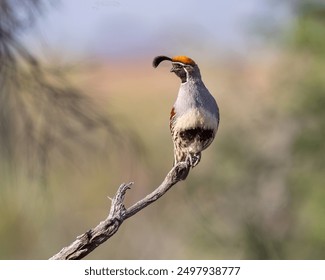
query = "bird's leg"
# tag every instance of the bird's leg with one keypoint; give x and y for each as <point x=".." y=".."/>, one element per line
<point x="189" y="159"/>
<point x="193" y="159"/>
<point x="196" y="159"/>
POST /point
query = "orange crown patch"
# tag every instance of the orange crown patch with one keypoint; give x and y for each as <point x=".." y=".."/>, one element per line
<point x="183" y="59"/>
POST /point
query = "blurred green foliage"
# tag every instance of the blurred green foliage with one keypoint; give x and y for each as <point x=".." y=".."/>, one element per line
<point x="308" y="172"/>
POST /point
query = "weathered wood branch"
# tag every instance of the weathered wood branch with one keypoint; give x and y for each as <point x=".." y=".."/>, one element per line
<point x="90" y="240"/>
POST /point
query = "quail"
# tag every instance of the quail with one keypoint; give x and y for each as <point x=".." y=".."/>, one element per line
<point x="194" y="118"/>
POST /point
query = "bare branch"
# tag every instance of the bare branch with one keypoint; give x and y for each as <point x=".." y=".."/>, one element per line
<point x="90" y="240"/>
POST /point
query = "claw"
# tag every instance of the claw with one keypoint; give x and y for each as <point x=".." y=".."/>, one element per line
<point x="196" y="159"/>
<point x="189" y="159"/>
<point x="193" y="159"/>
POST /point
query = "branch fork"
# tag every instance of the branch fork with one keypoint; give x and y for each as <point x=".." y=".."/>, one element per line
<point x="91" y="239"/>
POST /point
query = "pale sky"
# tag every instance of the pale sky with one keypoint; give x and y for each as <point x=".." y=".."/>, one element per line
<point x="119" y="27"/>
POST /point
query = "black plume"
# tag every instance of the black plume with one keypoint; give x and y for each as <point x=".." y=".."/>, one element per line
<point x="159" y="59"/>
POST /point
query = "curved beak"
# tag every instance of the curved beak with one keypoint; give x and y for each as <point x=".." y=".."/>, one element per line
<point x="159" y="59"/>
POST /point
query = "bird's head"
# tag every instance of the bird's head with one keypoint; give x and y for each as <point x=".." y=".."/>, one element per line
<point x="183" y="66"/>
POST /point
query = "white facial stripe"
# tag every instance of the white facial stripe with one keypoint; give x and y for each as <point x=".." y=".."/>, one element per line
<point x="186" y="74"/>
<point x="180" y="63"/>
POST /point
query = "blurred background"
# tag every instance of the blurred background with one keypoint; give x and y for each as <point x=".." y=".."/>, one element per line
<point x="82" y="110"/>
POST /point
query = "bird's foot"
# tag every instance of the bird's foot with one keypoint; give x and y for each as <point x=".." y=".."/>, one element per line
<point x="193" y="159"/>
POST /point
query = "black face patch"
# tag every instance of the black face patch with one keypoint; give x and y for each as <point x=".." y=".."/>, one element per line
<point x="180" y="72"/>
<point x="199" y="134"/>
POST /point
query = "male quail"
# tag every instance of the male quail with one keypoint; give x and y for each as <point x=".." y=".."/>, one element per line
<point x="194" y="118"/>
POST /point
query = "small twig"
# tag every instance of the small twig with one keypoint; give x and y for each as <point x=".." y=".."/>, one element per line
<point x="90" y="240"/>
